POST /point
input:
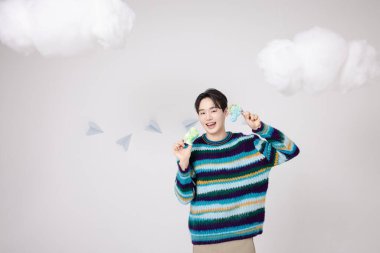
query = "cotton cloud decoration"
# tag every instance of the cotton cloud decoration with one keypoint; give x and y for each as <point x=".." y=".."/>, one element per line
<point x="64" y="28"/>
<point x="318" y="60"/>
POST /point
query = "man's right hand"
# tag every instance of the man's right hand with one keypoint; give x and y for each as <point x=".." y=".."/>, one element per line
<point x="183" y="154"/>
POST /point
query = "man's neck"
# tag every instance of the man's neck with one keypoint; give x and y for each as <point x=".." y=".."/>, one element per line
<point x="217" y="136"/>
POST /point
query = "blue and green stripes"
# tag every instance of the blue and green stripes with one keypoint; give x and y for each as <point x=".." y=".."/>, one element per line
<point x="226" y="183"/>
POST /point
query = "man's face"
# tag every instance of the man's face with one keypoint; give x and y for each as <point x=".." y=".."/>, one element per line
<point x="211" y="117"/>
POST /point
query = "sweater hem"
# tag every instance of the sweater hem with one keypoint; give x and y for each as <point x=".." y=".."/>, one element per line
<point x="228" y="239"/>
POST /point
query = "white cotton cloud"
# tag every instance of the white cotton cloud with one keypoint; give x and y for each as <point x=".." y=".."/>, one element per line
<point x="64" y="28"/>
<point x="318" y="60"/>
<point x="360" y="67"/>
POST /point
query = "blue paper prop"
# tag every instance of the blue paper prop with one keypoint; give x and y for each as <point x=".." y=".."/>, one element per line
<point x="93" y="128"/>
<point x="124" y="142"/>
<point x="188" y="123"/>
<point x="153" y="126"/>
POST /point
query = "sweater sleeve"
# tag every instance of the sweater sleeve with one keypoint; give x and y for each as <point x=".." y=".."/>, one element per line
<point x="184" y="186"/>
<point x="277" y="147"/>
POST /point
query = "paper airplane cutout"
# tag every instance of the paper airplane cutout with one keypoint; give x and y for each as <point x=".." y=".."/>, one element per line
<point x="188" y="123"/>
<point x="153" y="126"/>
<point x="93" y="128"/>
<point x="125" y="141"/>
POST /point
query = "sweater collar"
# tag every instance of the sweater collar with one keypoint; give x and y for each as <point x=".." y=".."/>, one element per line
<point x="217" y="143"/>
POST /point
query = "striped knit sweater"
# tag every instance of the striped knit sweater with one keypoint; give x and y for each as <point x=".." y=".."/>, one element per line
<point x="226" y="183"/>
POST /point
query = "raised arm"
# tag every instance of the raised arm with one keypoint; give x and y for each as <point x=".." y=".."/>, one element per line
<point x="277" y="147"/>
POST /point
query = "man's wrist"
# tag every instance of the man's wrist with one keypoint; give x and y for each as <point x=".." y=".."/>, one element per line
<point x="255" y="129"/>
<point x="183" y="165"/>
<point x="259" y="128"/>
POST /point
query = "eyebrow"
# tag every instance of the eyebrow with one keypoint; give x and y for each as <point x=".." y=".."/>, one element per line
<point x="208" y="108"/>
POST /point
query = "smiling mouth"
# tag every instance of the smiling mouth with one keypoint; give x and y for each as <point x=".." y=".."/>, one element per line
<point x="211" y="124"/>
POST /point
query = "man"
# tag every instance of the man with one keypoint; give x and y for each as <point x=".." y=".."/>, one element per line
<point x="224" y="176"/>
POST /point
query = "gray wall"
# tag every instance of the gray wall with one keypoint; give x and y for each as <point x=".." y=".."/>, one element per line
<point x="63" y="191"/>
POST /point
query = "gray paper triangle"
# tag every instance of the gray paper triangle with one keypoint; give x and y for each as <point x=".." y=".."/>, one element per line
<point x="93" y="128"/>
<point x="188" y="123"/>
<point x="153" y="126"/>
<point x="124" y="142"/>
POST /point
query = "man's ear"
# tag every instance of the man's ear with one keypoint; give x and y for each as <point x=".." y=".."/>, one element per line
<point x="226" y="112"/>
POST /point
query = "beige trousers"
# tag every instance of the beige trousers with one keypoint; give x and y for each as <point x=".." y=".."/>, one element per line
<point x="236" y="246"/>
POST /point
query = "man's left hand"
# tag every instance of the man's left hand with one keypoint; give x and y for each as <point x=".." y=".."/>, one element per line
<point x="252" y="120"/>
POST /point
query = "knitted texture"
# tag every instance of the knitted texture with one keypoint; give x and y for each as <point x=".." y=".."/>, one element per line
<point x="226" y="183"/>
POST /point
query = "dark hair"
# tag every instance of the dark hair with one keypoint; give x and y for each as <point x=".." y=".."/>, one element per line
<point x="219" y="99"/>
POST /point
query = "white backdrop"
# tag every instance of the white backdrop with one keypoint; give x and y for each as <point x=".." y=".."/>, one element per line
<point x="63" y="191"/>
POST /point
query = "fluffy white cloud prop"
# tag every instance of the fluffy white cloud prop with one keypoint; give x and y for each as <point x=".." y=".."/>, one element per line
<point x="64" y="28"/>
<point x="318" y="60"/>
